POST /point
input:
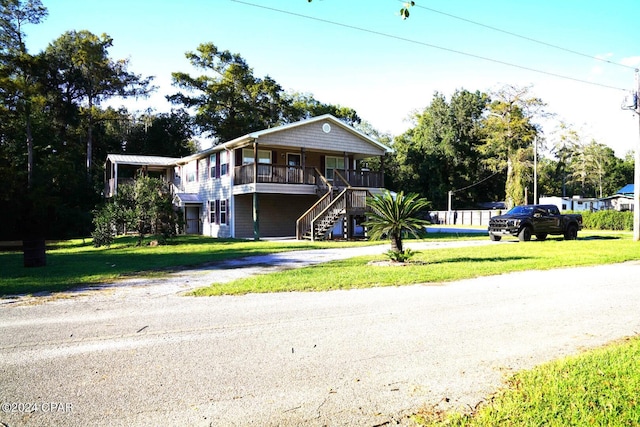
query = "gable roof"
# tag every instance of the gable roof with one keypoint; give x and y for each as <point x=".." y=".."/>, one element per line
<point x="627" y="189"/>
<point x="250" y="137"/>
<point x="243" y="140"/>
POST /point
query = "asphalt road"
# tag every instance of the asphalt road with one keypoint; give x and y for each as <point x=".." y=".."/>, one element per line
<point x="139" y="354"/>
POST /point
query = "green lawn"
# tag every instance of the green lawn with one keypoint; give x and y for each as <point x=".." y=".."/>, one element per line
<point x="597" y="388"/>
<point x="76" y="263"/>
<point x="442" y="265"/>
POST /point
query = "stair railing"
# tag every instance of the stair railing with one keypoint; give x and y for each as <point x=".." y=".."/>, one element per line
<point x="338" y="203"/>
<point x="304" y="222"/>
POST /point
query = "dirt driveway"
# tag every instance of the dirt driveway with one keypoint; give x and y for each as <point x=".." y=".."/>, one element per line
<point x="140" y="354"/>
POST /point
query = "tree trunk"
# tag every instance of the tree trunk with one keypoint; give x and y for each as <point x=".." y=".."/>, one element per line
<point x="29" y="152"/>
<point x="396" y="242"/>
<point x="89" y="145"/>
<point x="509" y="184"/>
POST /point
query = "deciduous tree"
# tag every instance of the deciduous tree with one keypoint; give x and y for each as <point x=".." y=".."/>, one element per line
<point x="87" y="76"/>
<point x="165" y="134"/>
<point x="18" y="69"/>
<point x="440" y="152"/>
<point x="509" y="136"/>
<point x="229" y="100"/>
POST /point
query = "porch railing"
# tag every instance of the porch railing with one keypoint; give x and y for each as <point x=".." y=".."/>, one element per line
<point x="282" y="174"/>
<point x="276" y="174"/>
<point x="363" y="178"/>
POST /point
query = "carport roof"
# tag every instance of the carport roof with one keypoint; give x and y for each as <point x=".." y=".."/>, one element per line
<point x="189" y="198"/>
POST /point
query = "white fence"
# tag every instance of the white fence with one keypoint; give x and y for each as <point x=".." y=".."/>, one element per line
<point x="464" y="217"/>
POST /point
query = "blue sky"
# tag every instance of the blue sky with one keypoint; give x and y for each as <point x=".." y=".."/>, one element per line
<point x="378" y="64"/>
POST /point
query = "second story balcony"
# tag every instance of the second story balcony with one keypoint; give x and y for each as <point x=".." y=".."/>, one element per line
<point x="282" y="174"/>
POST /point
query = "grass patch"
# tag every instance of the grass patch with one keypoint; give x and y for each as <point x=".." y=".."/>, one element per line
<point x="600" y="388"/>
<point x="441" y="265"/>
<point x="74" y="263"/>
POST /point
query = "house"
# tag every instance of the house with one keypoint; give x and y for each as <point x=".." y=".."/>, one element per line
<point x="304" y="179"/>
<point x="575" y="203"/>
<point x="622" y="200"/>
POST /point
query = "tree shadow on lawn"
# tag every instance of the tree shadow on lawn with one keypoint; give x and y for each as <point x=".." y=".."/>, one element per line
<point x="65" y="272"/>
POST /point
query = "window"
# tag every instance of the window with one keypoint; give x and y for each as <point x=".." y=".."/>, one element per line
<point x="224" y="163"/>
<point x="294" y="159"/>
<point x="212" y="166"/>
<point x="202" y="168"/>
<point x="223" y="211"/>
<point x="218" y="211"/>
<point x="331" y="164"/>
<point x="191" y="172"/>
<point x="264" y="156"/>
<point x="212" y="211"/>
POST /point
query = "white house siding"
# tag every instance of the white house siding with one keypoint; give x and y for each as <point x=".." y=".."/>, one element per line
<point x="212" y="190"/>
<point x="208" y="189"/>
<point x="278" y="214"/>
<point x="312" y="137"/>
<point x="573" y="203"/>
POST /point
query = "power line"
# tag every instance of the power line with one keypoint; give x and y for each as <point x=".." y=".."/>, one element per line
<point x="554" y="46"/>
<point x="477" y="183"/>
<point x="433" y="46"/>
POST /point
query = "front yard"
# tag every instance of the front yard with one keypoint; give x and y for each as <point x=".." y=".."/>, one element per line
<point x="77" y="263"/>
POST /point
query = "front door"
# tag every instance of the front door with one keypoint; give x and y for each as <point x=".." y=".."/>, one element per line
<point x="192" y="217"/>
<point x="294" y="171"/>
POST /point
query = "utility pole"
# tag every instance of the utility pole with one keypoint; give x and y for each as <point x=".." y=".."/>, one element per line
<point x="636" y="169"/>
<point x="535" y="170"/>
<point x="634" y="105"/>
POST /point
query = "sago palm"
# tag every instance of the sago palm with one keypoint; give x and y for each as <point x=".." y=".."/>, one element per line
<point x="392" y="216"/>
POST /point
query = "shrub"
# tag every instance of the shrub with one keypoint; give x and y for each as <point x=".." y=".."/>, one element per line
<point x="400" y="256"/>
<point x="103" y="233"/>
<point x="608" y="220"/>
<point x="145" y="207"/>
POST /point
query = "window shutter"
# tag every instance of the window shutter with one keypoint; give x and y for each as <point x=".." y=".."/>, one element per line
<point x="217" y="168"/>
<point x="217" y="211"/>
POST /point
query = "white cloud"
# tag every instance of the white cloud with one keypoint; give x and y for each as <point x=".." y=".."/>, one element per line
<point x="631" y="61"/>
<point x="604" y="56"/>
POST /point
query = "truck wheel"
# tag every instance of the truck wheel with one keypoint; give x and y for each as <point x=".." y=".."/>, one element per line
<point x="494" y="238"/>
<point x="541" y="236"/>
<point x="571" y="233"/>
<point x="525" y="234"/>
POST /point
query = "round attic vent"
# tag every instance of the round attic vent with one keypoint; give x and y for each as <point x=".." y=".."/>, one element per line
<point x="326" y="128"/>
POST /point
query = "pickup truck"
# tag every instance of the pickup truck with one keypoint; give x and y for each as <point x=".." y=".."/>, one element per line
<point x="534" y="220"/>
